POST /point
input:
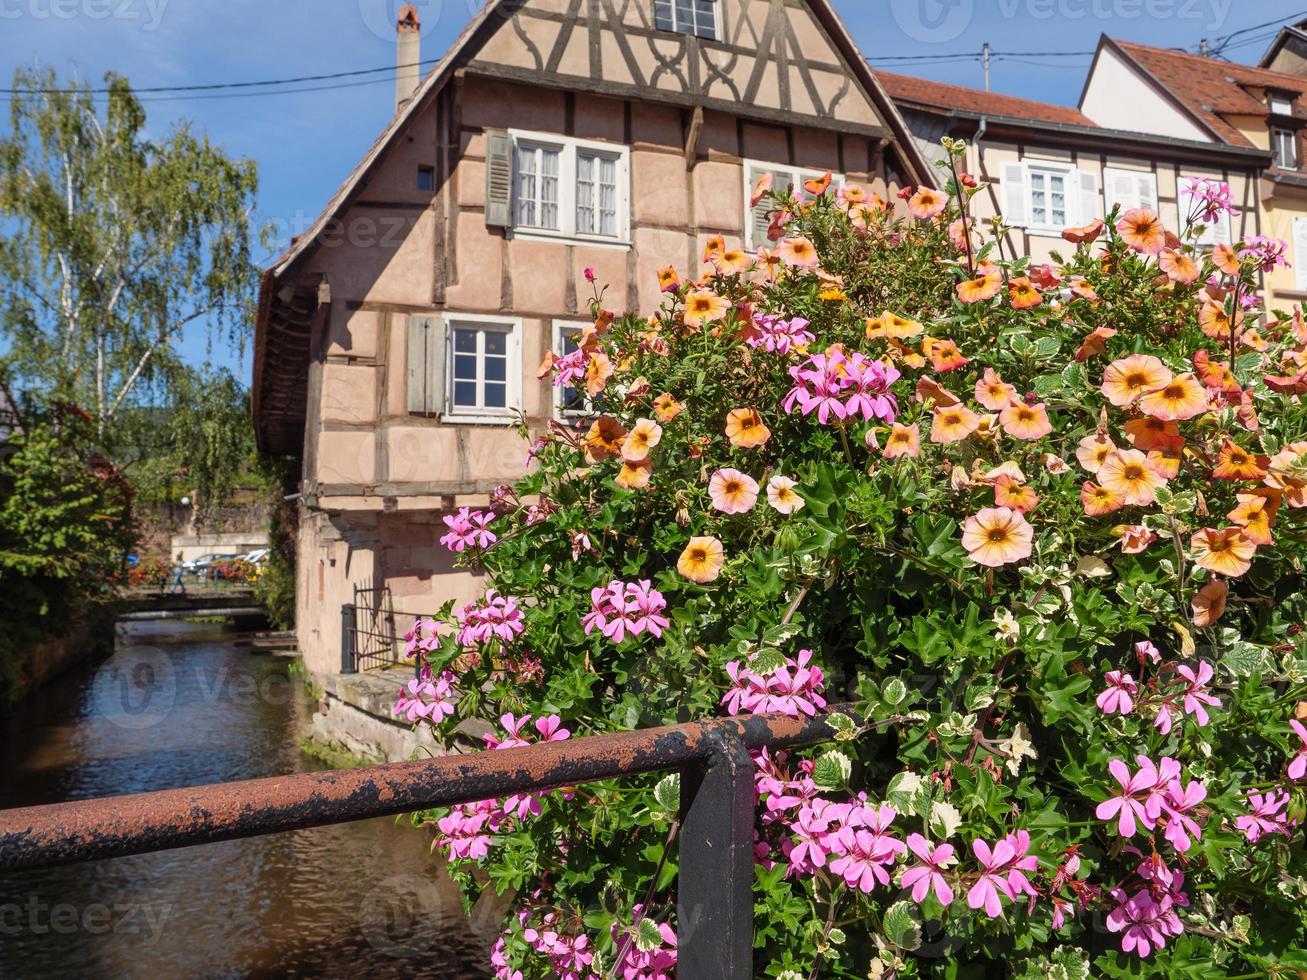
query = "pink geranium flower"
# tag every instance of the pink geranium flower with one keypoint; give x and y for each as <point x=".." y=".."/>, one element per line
<point x="1298" y="767"/>
<point x="1137" y="802"/>
<point x="468" y="529"/>
<point x="928" y="876"/>
<point x="989" y="889"/>
<point x="1266" y="815"/>
<point x="1118" y="698"/>
<point x="1196" y="698"/>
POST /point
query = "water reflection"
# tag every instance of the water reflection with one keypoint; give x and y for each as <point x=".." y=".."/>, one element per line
<point x="180" y="706"/>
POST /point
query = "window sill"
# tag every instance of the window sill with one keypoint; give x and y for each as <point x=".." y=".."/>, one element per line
<point x="499" y="420"/>
<point x="1043" y="231"/>
<point x="530" y="235"/>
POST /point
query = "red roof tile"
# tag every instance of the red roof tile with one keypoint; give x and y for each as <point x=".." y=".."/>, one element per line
<point x="1211" y="89"/>
<point x="921" y="91"/>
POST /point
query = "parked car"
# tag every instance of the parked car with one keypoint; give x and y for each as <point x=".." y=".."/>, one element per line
<point x="258" y="556"/>
<point x="200" y="564"/>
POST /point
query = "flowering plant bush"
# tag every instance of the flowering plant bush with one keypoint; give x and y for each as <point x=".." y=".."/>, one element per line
<point x="1041" y="524"/>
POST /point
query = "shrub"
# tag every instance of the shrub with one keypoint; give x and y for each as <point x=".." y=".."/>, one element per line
<point x="1041" y="523"/>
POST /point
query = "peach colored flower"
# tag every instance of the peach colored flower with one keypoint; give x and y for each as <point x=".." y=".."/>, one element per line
<point x="1142" y="230"/>
<point x="1127" y="379"/>
<point x="634" y="475"/>
<point x="892" y="325"/>
<point x="944" y="354"/>
<point x="1209" y="603"/>
<point x="761" y="188"/>
<point x="1236" y="463"/>
<point x="666" y="407"/>
<point x="1135" y="538"/>
<point x="817" y="186"/>
<point x="1178" y="266"/>
<point x="1084" y="234"/>
<point x="1166" y="459"/>
<point x="1009" y="493"/>
<point x="668" y="280"/>
<point x="597" y="373"/>
<point x="1022" y="421"/>
<point x="1215" y="323"/>
<point x="1227" y="551"/>
<point x="1256" y="515"/>
<point x="952" y="423"/>
<point x="904" y="440"/>
<point x="997" y="536"/>
<point x="781" y="495"/>
<point x="733" y="492"/>
<point x="1099" y="501"/>
<point x="703" y="307"/>
<point x="1287" y="472"/>
<point x="1093" y="450"/>
<point x="981" y="288"/>
<point x="1127" y="474"/>
<point x="641" y="440"/>
<point x="702" y="560"/>
<point x="605" y="438"/>
<point x="993" y="392"/>
<point x="927" y="203"/>
<point x="1180" y="398"/>
<point x="1226" y="258"/>
<point x="714" y="246"/>
<point x="798" y="252"/>
<point x="745" y="429"/>
<point x="1095" y="344"/>
<point x="732" y="262"/>
<point x="1151" y="433"/>
<point x="1023" y="294"/>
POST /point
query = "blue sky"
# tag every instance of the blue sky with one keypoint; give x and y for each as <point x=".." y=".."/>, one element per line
<point x="305" y="143"/>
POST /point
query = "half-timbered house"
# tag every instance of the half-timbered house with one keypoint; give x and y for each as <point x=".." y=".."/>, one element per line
<point x="397" y="339"/>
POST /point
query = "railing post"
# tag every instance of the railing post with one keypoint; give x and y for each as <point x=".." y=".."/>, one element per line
<point x="715" y="889"/>
<point x="347" y="622"/>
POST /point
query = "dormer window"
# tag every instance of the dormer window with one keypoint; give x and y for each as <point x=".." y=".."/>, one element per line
<point x="697" y="17"/>
<point x="1280" y="106"/>
<point x="1284" y="144"/>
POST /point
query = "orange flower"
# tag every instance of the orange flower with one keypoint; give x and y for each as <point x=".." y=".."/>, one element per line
<point x="666" y="407"/>
<point x="952" y="423"/>
<point x="1084" y="234"/>
<point x="597" y="373"/>
<point x="1209" y="603"/>
<point x="1098" y="501"/>
<point x="1214" y="322"/>
<point x="1023" y="293"/>
<point x="703" y="307"/>
<point x="1022" y="421"/>
<point x="980" y="289"/>
<point x="817" y="186"/>
<point x="762" y="188"/>
<point x="1178" y="266"/>
<point x="1095" y="344"/>
<point x="641" y="440"/>
<point x="745" y="429"/>
<point x="944" y="354"/>
<point x="1082" y="288"/>
<point x="714" y="246"/>
<point x="1256" y="515"/>
<point x="993" y="392"/>
<point x="1127" y="474"/>
<point x="1125" y="380"/>
<point x="605" y="438"/>
<point x="1226" y="552"/>
<point x="1287" y="472"/>
<point x="702" y="560"/>
<point x="1180" y="398"/>
<point x="892" y="325"/>
<point x="634" y="475"/>
<point x="1215" y="375"/>
<point x="733" y="492"/>
<point x="904" y="440"/>
<point x="1226" y="258"/>
<point x="927" y="203"/>
<point x="1135" y="538"/>
<point x="1151" y="433"/>
<point x="1237" y="463"/>
<point x="930" y="390"/>
<point x="1142" y="230"/>
<point x="1009" y="493"/>
<point x="1093" y="450"/>
<point x="798" y="252"/>
<point x="733" y="262"/>
<point x="668" y="280"/>
<point x="1166" y="459"/>
<point x="997" y="536"/>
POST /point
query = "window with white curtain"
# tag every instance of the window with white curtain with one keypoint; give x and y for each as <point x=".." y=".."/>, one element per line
<point x="571" y="188"/>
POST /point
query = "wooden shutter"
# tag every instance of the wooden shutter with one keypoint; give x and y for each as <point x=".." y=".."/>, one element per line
<point x="1014" y="195"/>
<point x="426" y="365"/>
<point x="759" y="220"/>
<point x="499" y="179"/>
<point x="1300" y="252"/>
<point x="1147" y="189"/>
<point x="1089" y="205"/>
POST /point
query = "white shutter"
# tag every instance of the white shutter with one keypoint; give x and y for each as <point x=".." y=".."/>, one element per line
<point x="1147" y="190"/>
<point x="1300" y="252"/>
<point x="1014" y="195"/>
<point x="1122" y="191"/>
<point x="1214" y="234"/>
<point x="1090" y="206"/>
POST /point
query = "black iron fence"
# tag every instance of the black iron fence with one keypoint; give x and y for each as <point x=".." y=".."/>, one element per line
<point x="715" y="883"/>
<point x="372" y="631"/>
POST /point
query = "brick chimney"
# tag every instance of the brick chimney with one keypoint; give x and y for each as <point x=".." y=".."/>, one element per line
<point x="408" y="52"/>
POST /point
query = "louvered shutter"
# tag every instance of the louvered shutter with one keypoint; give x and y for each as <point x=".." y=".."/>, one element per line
<point x="1014" y="195"/>
<point x="426" y="365"/>
<point x="1089" y="204"/>
<point x="1300" y="252"/>
<point x="499" y="179"/>
<point x="1147" y="190"/>
<point x="759" y="217"/>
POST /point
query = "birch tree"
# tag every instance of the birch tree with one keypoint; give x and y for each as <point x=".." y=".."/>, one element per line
<point x="112" y="244"/>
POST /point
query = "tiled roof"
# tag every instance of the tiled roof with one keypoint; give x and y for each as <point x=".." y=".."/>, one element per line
<point x="921" y="91"/>
<point x="1211" y="89"/>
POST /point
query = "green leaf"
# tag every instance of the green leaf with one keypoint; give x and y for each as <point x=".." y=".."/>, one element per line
<point x="902" y="926"/>
<point x="846" y="729"/>
<point x="668" y="794"/>
<point x="894" y="691"/>
<point x="647" y="936"/>
<point x="832" y="770"/>
<point x="766" y="661"/>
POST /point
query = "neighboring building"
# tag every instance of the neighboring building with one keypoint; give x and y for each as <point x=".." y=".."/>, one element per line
<point x="398" y="338"/>
<point x="1049" y="167"/>
<point x="1228" y="106"/>
<point x="1288" y="52"/>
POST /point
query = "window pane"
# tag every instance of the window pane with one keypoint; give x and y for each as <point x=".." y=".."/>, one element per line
<point x="465" y="394"/>
<point x="496" y="369"/>
<point x="465" y="341"/>
<point x="585" y="194"/>
<point x="527" y="160"/>
<point x="465" y="367"/>
<point x="705" y="24"/>
<point x="496" y="395"/>
<point x="685" y="16"/>
<point x="549" y="189"/>
<point x="663" y="15"/>
<point x="496" y="342"/>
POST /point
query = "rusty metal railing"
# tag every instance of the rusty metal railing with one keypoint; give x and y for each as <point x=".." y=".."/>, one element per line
<point x="715" y="884"/>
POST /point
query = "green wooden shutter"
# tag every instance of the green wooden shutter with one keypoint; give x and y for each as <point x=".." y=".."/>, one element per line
<point x="499" y="179"/>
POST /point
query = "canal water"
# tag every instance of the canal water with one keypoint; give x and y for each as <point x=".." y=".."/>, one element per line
<point x="181" y="705"/>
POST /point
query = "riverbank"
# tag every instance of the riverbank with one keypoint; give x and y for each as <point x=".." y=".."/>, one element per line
<point x="39" y="664"/>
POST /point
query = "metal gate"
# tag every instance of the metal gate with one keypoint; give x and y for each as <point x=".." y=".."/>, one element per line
<point x="372" y="632"/>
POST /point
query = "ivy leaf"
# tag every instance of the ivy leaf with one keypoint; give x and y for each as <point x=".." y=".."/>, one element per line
<point x="894" y="691"/>
<point x="845" y="728"/>
<point x="831" y="771"/>
<point x="668" y="794"/>
<point x="766" y="661"/>
<point x="944" y="819"/>
<point x="901" y="926"/>
<point x="648" y="937"/>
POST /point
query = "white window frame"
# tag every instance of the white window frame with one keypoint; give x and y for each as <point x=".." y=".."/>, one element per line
<point x="1277" y="134"/>
<point x="692" y="29"/>
<point x="1070" y="175"/>
<point x="569" y="148"/>
<point x="481" y="415"/>
<point x="1221" y="232"/>
<point x="561" y="329"/>
<point x="1134" y="199"/>
<point x="796" y="177"/>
